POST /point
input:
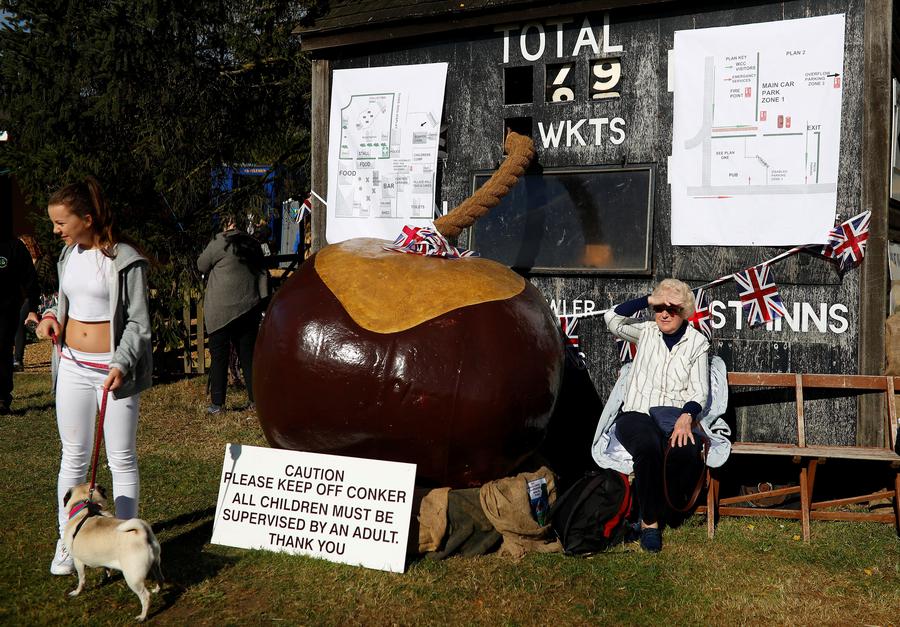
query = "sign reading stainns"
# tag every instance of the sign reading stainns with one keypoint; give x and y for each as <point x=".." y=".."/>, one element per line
<point x="344" y="509"/>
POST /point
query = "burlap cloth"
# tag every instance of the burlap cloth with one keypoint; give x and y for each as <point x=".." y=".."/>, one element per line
<point x="506" y="504"/>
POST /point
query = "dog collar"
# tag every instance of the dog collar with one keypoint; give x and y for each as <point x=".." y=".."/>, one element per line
<point x="78" y="507"/>
<point x="92" y="510"/>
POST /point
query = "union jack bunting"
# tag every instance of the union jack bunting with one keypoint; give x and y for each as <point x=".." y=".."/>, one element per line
<point x="759" y="294"/>
<point x="701" y="318"/>
<point x="847" y="241"/>
<point x="425" y="240"/>
<point x="627" y="350"/>
<point x="305" y="209"/>
<point x="568" y="325"/>
<point x="298" y="210"/>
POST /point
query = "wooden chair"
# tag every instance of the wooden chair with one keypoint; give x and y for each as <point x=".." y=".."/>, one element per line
<point x="808" y="457"/>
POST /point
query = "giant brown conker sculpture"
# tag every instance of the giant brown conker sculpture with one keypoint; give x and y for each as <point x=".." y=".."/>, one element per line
<point x="451" y="364"/>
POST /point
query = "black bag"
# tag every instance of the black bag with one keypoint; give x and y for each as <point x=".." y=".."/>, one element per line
<point x="590" y="516"/>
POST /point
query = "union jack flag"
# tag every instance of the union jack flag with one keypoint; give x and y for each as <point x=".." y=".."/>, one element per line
<point x="426" y="240"/>
<point x="298" y="210"/>
<point x="568" y="325"/>
<point x="305" y="209"/>
<point x="759" y="294"/>
<point x="701" y="318"/>
<point x="627" y="350"/>
<point x="847" y="241"/>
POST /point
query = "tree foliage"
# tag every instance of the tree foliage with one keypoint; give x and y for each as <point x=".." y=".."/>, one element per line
<point x="150" y="96"/>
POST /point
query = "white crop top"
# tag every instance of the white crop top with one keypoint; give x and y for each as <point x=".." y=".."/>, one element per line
<point x="85" y="283"/>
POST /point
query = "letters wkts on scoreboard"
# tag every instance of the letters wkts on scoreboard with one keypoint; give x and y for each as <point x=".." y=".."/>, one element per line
<point x="344" y="509"/>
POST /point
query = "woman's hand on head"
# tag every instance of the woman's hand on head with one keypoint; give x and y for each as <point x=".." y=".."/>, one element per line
<point x="48" y="327"/>
<point x="113" y="379"/>
<point x="682" y="431"/>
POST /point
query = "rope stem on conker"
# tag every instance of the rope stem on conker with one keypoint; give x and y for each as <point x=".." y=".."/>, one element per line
<point x="520" y="152"/>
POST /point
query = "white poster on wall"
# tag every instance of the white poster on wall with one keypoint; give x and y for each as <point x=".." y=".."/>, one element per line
<point x="895" y="144"/>
<point x="894" y="269"/>
<point x="756" y="132"/>
<point x="382" y="154"/>
<point x="344" y="509"/>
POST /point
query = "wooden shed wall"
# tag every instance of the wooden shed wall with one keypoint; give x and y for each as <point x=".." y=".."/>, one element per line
<point x="474" y="111"/>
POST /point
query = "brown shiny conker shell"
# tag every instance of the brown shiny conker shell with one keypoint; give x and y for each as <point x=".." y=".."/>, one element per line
<point x="453" y="365"/>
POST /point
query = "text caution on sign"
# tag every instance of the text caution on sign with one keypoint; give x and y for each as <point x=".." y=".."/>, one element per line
<point x="343" y="509"/>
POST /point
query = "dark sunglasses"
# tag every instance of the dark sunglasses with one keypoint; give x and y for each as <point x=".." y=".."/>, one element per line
<point x="672" y="310"/>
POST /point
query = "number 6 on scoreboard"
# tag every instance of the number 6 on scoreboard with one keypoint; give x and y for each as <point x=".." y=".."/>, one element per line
<point x="607" y="72"/>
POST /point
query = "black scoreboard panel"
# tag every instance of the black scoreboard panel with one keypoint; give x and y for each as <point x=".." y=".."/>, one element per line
<point x="592" y="90"/>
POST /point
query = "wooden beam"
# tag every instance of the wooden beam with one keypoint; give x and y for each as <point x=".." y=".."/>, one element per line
<point x="749" y="498"/>
<point x="320" y="40"/>
<point x="892" y="427"/>
<point x="321" y="101"/>
<point x="833" y="452"/>
<point x="804" y="503"/>
<point x="801" y="422"/>
<point x="875" y="170"/>
<point x="201" y="334"/>
<point x="834" y="381"/>
<point x="884" y="494"/>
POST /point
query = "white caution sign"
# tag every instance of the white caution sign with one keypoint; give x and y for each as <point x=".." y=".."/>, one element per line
<point x="343" y="509"/>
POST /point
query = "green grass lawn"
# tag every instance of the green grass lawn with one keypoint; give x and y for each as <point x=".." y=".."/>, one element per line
<point x="756" y="571"/>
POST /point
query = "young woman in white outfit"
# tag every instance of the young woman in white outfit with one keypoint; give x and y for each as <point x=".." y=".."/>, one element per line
<point x="102" y="331"/>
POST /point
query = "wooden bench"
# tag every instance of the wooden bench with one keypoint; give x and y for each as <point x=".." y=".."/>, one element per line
<point x="808" y="457"/>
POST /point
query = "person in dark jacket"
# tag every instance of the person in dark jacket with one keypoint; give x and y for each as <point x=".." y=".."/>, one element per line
<point x="18" y="283"/>
<point x="236" y="285"/>
<point x="45" y="267"/>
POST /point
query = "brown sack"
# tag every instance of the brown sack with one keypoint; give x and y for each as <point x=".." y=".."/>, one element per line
<point x="507" y="506"/>
<point x="432" y="519"/>
<point x="892" y="345"/>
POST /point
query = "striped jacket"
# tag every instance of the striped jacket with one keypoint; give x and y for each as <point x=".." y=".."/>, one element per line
<point x="660" y="376"/>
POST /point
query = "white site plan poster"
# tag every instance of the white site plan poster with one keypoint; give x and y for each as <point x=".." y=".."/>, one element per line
<point x="756" y="132"/>
<point x="383" y="144"/>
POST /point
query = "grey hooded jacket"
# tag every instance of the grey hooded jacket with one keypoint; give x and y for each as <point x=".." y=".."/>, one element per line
<point x="233" y="288"/>
<point x="129" y="314"/>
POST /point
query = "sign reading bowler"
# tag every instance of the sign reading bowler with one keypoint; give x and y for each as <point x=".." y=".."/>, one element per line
<point x="344" y="509"/>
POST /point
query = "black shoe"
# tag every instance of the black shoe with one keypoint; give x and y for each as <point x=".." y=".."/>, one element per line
<point x="18" y="366"/>
<point x="4" y="408"/>
<point x="651" y="540"/>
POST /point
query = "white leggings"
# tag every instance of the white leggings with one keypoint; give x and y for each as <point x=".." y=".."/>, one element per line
<point x="79" y="392"/>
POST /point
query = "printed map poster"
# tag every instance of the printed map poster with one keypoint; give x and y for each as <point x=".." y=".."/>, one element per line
<point x="756" y="132"/>
<point x="383" y="143"/>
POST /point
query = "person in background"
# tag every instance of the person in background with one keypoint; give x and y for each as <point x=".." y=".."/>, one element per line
<point x="101" y="328"/>
<point x="45" y="269"/>
<point x="18" y="286"/>
<point x="263" y="234"/>
<point x="670" y="370"/>
<point x="236" y="284"/>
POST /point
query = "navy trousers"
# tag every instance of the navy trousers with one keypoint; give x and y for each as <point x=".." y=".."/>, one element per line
<point x="646" y="442"/>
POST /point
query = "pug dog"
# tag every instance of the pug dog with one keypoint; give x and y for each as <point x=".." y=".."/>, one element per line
<point x="94" y="538"/>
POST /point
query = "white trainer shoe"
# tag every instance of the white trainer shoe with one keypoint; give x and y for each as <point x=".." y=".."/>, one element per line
<point x="62" y="562"/>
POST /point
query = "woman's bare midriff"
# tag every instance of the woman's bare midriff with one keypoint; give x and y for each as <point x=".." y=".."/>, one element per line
<point x="88" y="337"/>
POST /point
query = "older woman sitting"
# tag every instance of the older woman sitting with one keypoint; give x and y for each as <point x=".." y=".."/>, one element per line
<point x="670" y="370"/>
